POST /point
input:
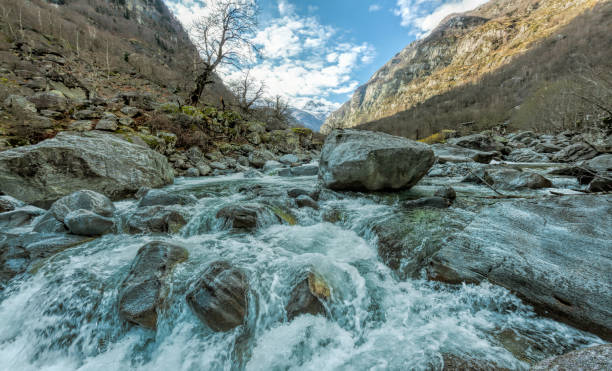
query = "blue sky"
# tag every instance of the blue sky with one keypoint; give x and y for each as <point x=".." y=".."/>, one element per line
<point x="322" y="50"/>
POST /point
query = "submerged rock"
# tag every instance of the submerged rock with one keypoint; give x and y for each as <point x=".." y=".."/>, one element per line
<point x="156" y="219"/>
<point x="588" y="359"/>
<point x="369" y="161"/>
<point x="554" y="253"/>
<point x="157" y="197"/>
<point x="306" y="201"/>
<point x="140" y="294"/>
<point x="245" y="216"/>
<point x="41" y="174"/>
<point x="8" y="203"/>
<point x="220" y="297"/>
<point x="308" y="296"/>
<point x="431" y="202"/>
<point x="19" y="217"/>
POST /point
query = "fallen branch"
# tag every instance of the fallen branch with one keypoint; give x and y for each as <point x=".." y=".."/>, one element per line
<point x="485" y="183"/>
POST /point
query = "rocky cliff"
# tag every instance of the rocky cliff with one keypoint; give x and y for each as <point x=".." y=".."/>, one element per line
<point x="461" y="50"/>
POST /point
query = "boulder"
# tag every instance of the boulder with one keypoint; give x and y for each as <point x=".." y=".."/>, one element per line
<point x="588" y="359"/>
<point x="156" y="219"/>
<point x="82" y="200"/>
<point x="271" y="165"/>
<point x="86" y="114"/>
<point x="107" y="125"/>
<point x="526" y="155"/>
<point x="52" y="100"/>
<point x="140" y="292"/>
<point x="369" y="161"/>
<point x="87" y="223"/>
<point x="553" y="253"/>
<point x="130" y="111"/>
<point x="508" y="178"/>
<point x="220" y="297"/>
<point x="203" y="168"/>
<point x="308" y="297"/>
<point x="575" y="152"/>
<point x="155" y="197"/>
<point x="258" y="158"/>
<point x="41" y="174"/>
<point x="304" y="170"/>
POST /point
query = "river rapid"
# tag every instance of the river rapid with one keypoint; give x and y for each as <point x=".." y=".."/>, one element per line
<point x="63" y="314"/>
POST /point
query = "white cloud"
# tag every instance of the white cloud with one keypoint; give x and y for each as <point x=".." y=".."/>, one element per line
<point x="374" y="8"/>
<point x="425" y="15"/>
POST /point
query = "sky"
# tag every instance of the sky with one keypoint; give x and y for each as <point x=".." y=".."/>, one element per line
<point x="322" y="50"/>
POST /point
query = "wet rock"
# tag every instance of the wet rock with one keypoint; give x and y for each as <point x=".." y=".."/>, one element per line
<point x="296" y="192"/>
<point x="526" y="155"/>
<point x="140" y="294"/>
<point x="82" y="200"/>
<point x="51" y="100"/>
<point x="19" y="217"/>
<point x="306" y="201"/>
<point x="8" y="203"/>
<point x="304" y="170"/>
<point x="576" y="152"/>
<point x="308" y="297"/>
<point x="156" y="197"/>
<point x="41" y="174"/>
<point x="87" y="223"/>
<point x="49" y="224"/>
<point x="447" y="192"/>
<point x="14" y="260"/>
<point x="584" y="175"/>
<point x="243" y="216"/>
<point x="369" y="161"/>
<point x="601" y="183"/>
<point x="156" y="219"/>
<point x="539" y="249"/>
<point x="431" y="202"/>
<point x="252" y="173"/>
<point x="588" y="359"/>
<point x="456" y="363"/>
<point x="547" y="147"/>
<point x="289" y="159"/>
<point x="220" y="297"/>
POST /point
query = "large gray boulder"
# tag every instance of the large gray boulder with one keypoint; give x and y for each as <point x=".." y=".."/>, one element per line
<point x="369" y="161"/>
<point x="220" y="297"/>
<point x="554" y="253"/>
<point x="87" y="223"/>
<point x="140" y="292"/>
<point x="41" y="174"/>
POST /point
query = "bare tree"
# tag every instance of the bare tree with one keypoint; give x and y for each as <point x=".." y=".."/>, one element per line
<point x="223" y="37"/>
<point x="247" y="90"/>
<point x="279" y="108"/>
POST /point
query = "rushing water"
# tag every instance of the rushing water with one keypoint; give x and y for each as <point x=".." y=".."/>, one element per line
<point x="63" y="315"/>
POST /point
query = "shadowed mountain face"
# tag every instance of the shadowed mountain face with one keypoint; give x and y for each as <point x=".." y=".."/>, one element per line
<point x="461" y="51"/>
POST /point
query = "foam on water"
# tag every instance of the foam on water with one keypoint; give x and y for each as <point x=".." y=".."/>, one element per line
<point x="64" y="315"/>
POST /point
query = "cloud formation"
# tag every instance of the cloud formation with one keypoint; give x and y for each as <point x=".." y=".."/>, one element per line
<point x="424" y="15"/>
<point x="374" y="8"/>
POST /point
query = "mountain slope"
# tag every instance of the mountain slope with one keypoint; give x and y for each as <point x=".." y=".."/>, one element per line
<point x="462" y="50"/>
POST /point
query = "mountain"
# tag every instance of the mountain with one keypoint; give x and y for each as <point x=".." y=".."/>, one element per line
<point x="467" y="49"/>
<point x="312" y="114"/>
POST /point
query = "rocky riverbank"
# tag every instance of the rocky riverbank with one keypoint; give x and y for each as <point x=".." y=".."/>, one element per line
<point x="269" y="252"/>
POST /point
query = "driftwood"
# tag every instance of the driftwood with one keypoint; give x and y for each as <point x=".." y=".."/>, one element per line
<point x="485" y="183"/>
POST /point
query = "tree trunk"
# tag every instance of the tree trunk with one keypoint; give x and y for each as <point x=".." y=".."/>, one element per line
<point x="201" y="82"/>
